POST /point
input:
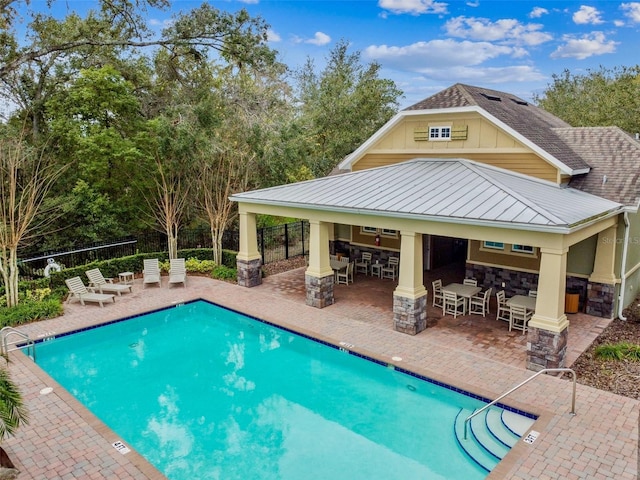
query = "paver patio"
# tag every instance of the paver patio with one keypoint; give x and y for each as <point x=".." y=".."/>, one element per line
<point x="65" y="441"/>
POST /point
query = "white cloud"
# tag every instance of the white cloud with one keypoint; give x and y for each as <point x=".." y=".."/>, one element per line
<point x="587" y="15"/>
<point x="517" y="73"/>
<point x="537" y="12"/>
<point x="632" y="10"/>
<point x="473" y="4"/>
<point x="509" y="30"/>
<point x="413" y="7"/>
<point x="319" y="39"/>
<point x="437" y="54"/>
<point x="272" y="36"/>
<point x="585" y="46"/>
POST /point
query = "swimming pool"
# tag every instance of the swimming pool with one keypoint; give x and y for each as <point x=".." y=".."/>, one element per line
<point x="205" y="392"/>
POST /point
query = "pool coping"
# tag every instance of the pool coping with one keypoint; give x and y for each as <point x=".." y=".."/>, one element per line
<point x="600" y="442"/>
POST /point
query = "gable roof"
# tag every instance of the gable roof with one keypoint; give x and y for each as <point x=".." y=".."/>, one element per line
<point x="444" y="190"/>
<point x="525" y="118"/>
<point x="526" y="122"/>
<point x="614" y="156"/>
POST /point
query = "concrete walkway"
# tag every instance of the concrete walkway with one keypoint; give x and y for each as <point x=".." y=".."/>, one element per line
<point x="65" y="441"/>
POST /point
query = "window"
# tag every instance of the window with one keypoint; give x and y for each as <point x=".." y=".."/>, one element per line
<point x="522" y="249"/>
<point x="439" y="133"/>
<point x="370" y="230"/>
<point x="494" y="245"/>
<point x="389" y="233"/>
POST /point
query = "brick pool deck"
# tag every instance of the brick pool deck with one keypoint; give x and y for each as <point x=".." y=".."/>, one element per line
<point x="64" y="441"/>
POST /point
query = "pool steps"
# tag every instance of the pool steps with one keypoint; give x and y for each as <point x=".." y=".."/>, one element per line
<point x="490" y="435"/>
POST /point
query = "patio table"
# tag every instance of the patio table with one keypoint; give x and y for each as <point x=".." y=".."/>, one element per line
<point x="523" y="301"/>
<point x="461" y="290"/>
<point x="376" y="269"/>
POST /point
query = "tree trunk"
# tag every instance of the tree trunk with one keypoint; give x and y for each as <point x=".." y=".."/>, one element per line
<point x="216" y="242"/>
<point x="12" y="285"/>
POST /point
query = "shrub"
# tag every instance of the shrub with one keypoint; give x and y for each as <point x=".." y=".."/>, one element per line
<point x="222" y="272"/>
<point x="30" y="310"/>
<point x="618" y="351"/>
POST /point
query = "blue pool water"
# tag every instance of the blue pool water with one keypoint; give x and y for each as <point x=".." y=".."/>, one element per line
<point x="203" y="392"/>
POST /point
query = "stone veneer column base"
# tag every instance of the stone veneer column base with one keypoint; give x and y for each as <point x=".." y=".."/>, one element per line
<point x="409" y="315"/>
<point x="249" y="272"/>
<point x="546" y="349"/>
<point x="319" y="291"/>
<point x="600" y="299"/>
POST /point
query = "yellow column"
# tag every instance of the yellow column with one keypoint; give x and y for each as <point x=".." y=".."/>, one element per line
<point x="549" y="314"/>
<point x="248" y="248"/>
<point x="604" y="263"/>
<point x="410" y="278"/>
<point x="319" y="249"/>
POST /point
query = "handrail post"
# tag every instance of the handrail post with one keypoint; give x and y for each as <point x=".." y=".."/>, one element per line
<point x="508" y="392"/>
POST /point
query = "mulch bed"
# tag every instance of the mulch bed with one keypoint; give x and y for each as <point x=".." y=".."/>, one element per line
<point x="618" y="376"/>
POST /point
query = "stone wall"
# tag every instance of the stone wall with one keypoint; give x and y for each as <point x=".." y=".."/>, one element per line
<point x="319" y="291"/>
<point x="249" y="273"/>
<point x="546" y="349"/>
<point x="410" y="315"/>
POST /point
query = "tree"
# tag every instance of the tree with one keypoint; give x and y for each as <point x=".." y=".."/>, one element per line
<point x="602" y="97"/>
<point x="25" y="180"/>
<point x="345" y="93"/>
<point x="249" y="107"/>
<point x="173" y="177"/>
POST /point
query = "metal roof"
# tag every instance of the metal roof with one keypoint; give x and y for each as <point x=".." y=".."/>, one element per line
<point x="452" y="190"/>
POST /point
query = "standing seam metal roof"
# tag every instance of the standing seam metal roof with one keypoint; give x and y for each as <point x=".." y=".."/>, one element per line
<point x="448" y="189"/>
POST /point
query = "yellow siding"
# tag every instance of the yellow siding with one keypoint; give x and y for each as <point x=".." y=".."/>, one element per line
<point x="484" y="143"/>
<point x="502" y="258"/>
<point x="526" y="163"/>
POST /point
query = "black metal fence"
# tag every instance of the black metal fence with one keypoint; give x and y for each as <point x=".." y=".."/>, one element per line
<point x="275" y="243"/>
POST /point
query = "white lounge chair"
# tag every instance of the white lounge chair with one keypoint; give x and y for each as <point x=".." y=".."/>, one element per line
<point x="151" y="272"/>
<point x="177" y="271"/>
<point x="78" y="290"/>
<point x="105" y="285"/>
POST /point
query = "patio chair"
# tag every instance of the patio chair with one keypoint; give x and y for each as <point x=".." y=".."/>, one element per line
<point x="438" y="298"/>
<point x="391" y="269"/>
<point x="345" y="276"/>
<point x="177" y="271"/>
<point x="105" y="285"/>
<point x="503" y="308"/>
<point x="452" y="304"/>
<point x="479" y="304"/>
<point x="78" y="290"/>
<point x="151" y="272"/>
<point x="533" y="293"/>
<point x="362" y="265"/>
<point x="519" y="318"/>
<point x="470" y="281"/>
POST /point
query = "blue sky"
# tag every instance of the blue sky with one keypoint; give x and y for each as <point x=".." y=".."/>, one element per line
<point x="427" y="45"/>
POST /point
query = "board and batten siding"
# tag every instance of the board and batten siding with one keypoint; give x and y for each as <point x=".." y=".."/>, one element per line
<point x="484" y="143"/>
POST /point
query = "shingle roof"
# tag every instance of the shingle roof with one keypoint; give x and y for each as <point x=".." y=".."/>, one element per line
<point x="532" y="122"/>
<point x="443" y="190"/>
<point x="614" y="157"/>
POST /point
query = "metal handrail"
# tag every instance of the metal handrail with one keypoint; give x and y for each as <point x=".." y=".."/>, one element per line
<point x="25" y="341"/>
<point x="545" y="370"/>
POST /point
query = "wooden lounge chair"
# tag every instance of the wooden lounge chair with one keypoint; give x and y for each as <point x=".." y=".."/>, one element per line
<point x="105" y="285"/>
<point x="151" y="272"/>
<point x="177" y="271"/>
<point x="78" y="290"/>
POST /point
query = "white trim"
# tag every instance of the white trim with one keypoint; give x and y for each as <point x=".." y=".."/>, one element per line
<point x="348" y="161"/>
<point x="432" y="218"/>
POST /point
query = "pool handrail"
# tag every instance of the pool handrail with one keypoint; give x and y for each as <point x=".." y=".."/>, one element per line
<point x="25" y="341"/>
<point x="544" y="370"/>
